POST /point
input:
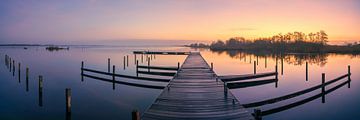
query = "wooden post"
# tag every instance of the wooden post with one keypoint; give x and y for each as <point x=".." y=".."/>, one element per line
<point x="257" y="60"/>
<point x="349" y="75"/>
<point x="265" y="62"/>
<point x="282" y="66"/>
<point x="323" y="87"/>
<point x="13" y="68"/>
<point x="10" y="65"/>
<point x="257" y="114"/>
<point x="108" y="65"/>
<point x="137" y="68"/>
<point x="148" y="64"/>
<point x="135" y="115"/>
<point x="135" y="59"/>
<point x="254" y="67"/>
<point x="40" y="91"/>
<point x="124" y="62"/>
<point x="276" y="76"/>
<point x="19" y="72"/>
<point x="212" y="67"/>
<point x="27" y="79"/>
<point x="68" y="103"/>
<point x="225" y="90"/>
<point x="82" y="70"/>
<point x="113" y="77"/>
<point x="276" y="61"/>
<point x="178" y="68"/>
<point x="127" y="60"/>
<point x="307" y="71"/>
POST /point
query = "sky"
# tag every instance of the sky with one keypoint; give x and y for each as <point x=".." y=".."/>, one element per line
<point x="70" y="21"/>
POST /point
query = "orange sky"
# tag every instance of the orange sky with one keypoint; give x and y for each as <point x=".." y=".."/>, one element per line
<point x="176" y="19"/>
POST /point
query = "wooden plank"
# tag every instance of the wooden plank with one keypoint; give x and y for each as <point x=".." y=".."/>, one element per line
<point x="194" y="93"/>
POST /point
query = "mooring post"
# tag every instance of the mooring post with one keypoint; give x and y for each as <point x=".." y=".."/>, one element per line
<point x="13" y="68"/>
<point x="276" y="76"/>
<point x="257" y="60"/>
<point x="257" y="114"/>
<point x="113" y="77"/>
<point x="68" y="103"/>
<point x="124" y="62"/>
<point x="265" y="62"/>
<point x="82" y="70"/>
<point x="27" y="79"/>
<point x="142" y="58"/>
<point x="282" y="66"/>
<point x="307" y="71"/>
<point x="135" y="59"/>
<point x="10" y="65"/>
<point x="135" y="115"/>
<point x="108" y="65"/>
<point x="137" y="68"/>
<point x="212" y="66"/>
<point x="40" y="91"/>
<point x="254" y="67"/>
<point x="127" y="60"/>
<point x="19" y="72"/>
<point x="178" y="67"/>
<point x="148" y="64"/>
<point x="349" y="76"/>
<point x="276" y="60"/>
<point x="323" y="87"/>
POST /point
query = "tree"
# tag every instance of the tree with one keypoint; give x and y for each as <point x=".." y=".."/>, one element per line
<point x="323" y="37"/>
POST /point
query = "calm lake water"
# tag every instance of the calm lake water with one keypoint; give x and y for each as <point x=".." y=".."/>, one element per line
<point x="93" y="99"/>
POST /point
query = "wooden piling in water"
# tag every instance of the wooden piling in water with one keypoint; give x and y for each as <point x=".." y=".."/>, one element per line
<point x="265" y="62"/>
<point x="127" y="60"/>
<point x="254" y="67"/>
<point x="124" y="62"/>
<point x="349" y="76"/>
<point x="135" y="115"/>
<point x="307" y="71"/>
<point x="276" y="76"/>
<point x="27" y="79"/>
<point x="13" y="68"/>
<point x="19" y="68"/>
<point x="257" y="114"/>
<point x="323" y="87"/>
<point x="40" y="91"/>
<point x="108" y="65"/>
<point x="135" y="59"/>
<point x="137" y="68"/>
<point x="225" y="90"/>
<point x="82" y="70"/>
<point x="282" y="66"/>
<point x="10" y="64"/>
<point x="212" y="66"/>
<point x="68" y="103"/>
<point x="142" y="58"/>
<point x="113" y="77"/>
<point x="148" y="64"/>
<point x="178" y="67"/>
<point x="257" y="60"/>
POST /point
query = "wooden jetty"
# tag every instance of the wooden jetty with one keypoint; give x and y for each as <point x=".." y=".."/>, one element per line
<point x="195" y="93"/>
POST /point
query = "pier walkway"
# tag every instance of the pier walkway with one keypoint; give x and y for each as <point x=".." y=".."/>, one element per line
<point x="194" y="93"/>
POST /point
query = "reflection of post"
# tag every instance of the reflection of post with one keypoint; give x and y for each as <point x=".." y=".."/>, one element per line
<point x="40" y="91"/>
<point x="108" y="65"/>
<point x="113" y="77"/>
<point x="282" y="66"/>
<point x="349" y="74"/>
<point x="82" y="70"/>
<point x="19" y="72"/>
<point x="307" y="71"/>
<point x="27" y="79"/>
<point x="225" y="90"/>
<point x="137" y="68"/>
<point x="254" y="67"/>
<point x="68" y="103"/>
<point x="135" y="115"/>
<point x="323" y="88"/>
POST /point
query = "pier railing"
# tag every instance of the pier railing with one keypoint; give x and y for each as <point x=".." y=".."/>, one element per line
<point x="258" y="113"/>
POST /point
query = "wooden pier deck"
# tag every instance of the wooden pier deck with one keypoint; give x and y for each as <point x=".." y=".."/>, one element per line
<point x="194" y="93"/>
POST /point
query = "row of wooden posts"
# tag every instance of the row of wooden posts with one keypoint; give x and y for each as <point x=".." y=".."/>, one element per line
<point x="258" y="113"/>
<point x="10" y="64"/>
<point x="126" y="60"/>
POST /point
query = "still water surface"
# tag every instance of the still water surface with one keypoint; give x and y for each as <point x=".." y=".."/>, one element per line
<point x="93" y="99"/>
